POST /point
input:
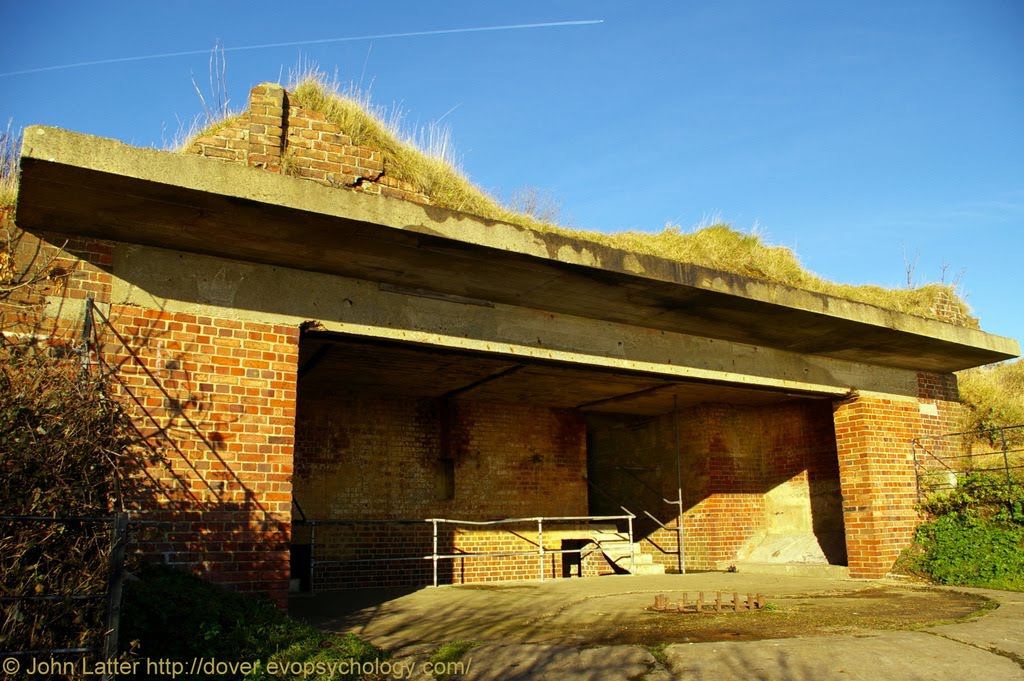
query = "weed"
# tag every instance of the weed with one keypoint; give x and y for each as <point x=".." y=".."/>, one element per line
<point x="448" y="655"/>
<point x="658" y="653"/>
<point x="10" y="145"/>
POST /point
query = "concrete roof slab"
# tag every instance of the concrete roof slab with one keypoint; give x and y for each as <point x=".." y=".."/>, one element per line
<point x="78" y="184"/>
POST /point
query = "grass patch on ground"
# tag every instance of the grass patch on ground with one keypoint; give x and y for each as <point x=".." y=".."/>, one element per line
<point x="427" y="164"/>
<point x="657" y="651"/>
<point x="170" y="615"/>
<point x="448" y="656"/>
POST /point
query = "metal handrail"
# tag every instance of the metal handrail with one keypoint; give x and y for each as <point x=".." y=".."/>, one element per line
<point x="435" y="557"/>
<point x="1003" y="448"/>
<point x="500" y="521"/>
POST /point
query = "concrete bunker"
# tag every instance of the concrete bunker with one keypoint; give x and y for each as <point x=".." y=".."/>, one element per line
<point x="464" y="366"/>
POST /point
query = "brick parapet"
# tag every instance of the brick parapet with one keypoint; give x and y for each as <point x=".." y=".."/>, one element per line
<point x="279" y="136"/>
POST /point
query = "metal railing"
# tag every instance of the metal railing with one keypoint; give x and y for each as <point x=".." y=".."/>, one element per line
<point x="632" y="502"/>
<point x="436" y="556"/>
<point x="110" y="597"/>
<point x="941" y="460"/>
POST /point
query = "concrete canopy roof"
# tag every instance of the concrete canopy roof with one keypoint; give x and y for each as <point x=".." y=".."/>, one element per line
<point x="331" y="365"/>
<point x="79" y="184"/>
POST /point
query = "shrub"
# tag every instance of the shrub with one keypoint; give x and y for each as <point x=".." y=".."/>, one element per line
<point x="61" y="441"/>
<point x="976" y="536"/>
<point x="980" y="498"/>
<point x="170" y="615"/>
<point x="972" y="552"/>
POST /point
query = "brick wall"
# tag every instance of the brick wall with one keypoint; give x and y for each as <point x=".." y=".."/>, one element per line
<point x="386" y="458"/>
<point x="213" y="399"/>
<point x="281" y="137"/>
<point x="52" y="307"/>
<point x="876" y="469"/>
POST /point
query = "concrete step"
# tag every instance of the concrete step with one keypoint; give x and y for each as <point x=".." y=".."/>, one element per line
<point x="652" y="569"/>
<point x="794" y="569"/>
<point x="623" y="555"/>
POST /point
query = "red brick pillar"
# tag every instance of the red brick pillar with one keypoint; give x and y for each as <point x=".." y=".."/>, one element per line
<point x="268" y="106"/>
<point x="876" y="474"/>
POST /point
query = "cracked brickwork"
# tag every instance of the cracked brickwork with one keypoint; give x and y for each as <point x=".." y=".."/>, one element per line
<point x="281" y="137"/>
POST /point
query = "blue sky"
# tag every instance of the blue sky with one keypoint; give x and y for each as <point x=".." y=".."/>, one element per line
<point x="853" y="133"/>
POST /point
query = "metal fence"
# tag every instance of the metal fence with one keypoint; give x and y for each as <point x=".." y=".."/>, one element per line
<point x="941" y="461"/>
<point x="108" y="600"/>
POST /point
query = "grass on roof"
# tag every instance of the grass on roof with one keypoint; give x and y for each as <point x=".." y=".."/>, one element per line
<point x="716" y="246"/>
<point x="429" y="167"/>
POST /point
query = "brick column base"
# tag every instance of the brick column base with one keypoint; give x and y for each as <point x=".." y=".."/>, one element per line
<point x="876" y="474"/>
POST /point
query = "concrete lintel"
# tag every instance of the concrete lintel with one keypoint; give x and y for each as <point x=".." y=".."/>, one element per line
<point x="98" y="187"/>
<point x="208" y="286"/>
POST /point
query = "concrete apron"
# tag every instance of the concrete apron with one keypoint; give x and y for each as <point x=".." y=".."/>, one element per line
<point x="412" y="625"/>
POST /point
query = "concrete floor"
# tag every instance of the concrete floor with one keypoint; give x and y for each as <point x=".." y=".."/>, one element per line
<point x="411" y="624"/>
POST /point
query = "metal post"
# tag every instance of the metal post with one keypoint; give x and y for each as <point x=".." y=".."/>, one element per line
<point x="312" y="553"/>
<point x="632" y="547"/>
<point x="540" y="546"/>
<point x="1006" y="462"/>
<point x="434" y="555"/>
<point x="917" y="468"/>
<point x="87" y="328"/>
<point x="679" y="485"/>
<point x="118" y="542"/>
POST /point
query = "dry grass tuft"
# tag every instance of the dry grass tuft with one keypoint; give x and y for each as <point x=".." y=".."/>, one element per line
<point x="993" y="395"/>
<point x="431" y="169"/>
<point x="198" y="127"/>
<point x="10" y="146"/>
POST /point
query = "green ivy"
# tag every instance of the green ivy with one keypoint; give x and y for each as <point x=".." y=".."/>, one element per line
<point x="975" y="537"/>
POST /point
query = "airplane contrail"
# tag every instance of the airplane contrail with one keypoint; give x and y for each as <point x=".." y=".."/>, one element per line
<point x="379" y="36"/>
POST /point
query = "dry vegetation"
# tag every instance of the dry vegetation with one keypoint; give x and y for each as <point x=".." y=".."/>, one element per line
<point x="431" y="170"/>
<point x="9" y="144"/>
<point x="994" y="395"/>
<point x="425" y="160"/>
